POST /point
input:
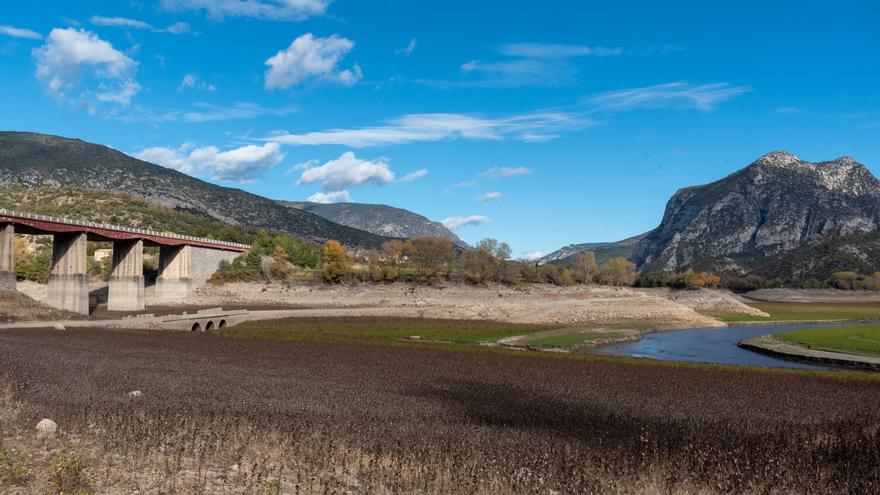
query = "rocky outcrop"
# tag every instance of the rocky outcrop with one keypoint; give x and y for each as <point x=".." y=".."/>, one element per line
<point x="777" y="204"/>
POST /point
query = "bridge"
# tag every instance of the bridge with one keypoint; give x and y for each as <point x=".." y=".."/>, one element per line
<point x="179" y="257"/>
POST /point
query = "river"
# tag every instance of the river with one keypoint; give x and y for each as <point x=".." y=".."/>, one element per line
<point x="708" y="345"/>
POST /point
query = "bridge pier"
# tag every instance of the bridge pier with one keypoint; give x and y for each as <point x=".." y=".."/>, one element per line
<point x="127" y="278"/>
<point x="175" y="273"/>
<point x="68" y="284"/>
<point x="7" y="257"/>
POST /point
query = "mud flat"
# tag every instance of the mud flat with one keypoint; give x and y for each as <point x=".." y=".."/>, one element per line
<point x="767" y="344"/>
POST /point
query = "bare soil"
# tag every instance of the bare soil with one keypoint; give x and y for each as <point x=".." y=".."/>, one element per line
<point x="813" y="295"/>
<point x="229" y="416"/>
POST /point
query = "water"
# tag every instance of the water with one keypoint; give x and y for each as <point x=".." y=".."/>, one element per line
<point x="708" y="345"/>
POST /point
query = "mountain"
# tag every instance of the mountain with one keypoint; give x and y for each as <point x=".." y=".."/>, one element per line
<point x="776" y="209"/>
<point x="603" y="250"/>
<point x="378" y="219"/>
<point x="31" y="160"/>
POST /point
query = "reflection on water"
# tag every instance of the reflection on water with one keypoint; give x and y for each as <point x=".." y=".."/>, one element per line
<point x="707" y="345"/>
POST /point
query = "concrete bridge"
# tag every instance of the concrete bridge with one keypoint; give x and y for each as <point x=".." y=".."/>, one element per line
<point x="181" y="260"/>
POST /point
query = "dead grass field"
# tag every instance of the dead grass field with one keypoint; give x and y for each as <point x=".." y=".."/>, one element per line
<point x="220" y="415"/>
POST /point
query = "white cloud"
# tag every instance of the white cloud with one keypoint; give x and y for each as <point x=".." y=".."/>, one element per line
<point x="69" y="54"/>
<point x="348" y="171"/>
<point x="418" y="174"/>
<point x="20" y="32"/>
<point x="274" y="10"/>
<point x="124" y="22"/>
<point x="414" y="128"/>
<point x="455" y="223"/>
<point x="670" y="95"/>
<point x="310" y="57"/>
<point x="489" y="196"/>
<point x="237" y="165"/>
<point x="192" y="80"/>
<point x="506" y="172"/>
<point x="408" y="49"/>
<point x="532" y="255"/>
<point x="330" y="197"/>
<point x="549" y="50"/>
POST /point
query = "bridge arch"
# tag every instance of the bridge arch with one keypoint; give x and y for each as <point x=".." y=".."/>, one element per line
<point x="197" y="327"/>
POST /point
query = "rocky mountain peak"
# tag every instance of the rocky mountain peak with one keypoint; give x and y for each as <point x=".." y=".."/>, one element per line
<point x="776" y="204"/>
<point x="778" y="158"/>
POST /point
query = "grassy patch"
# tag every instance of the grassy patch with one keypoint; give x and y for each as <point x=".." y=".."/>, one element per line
<point x="366" y="330"/>
<point x="787" y="311"/>
<point x="572" y="337"/>
<point x="862" y="340"/>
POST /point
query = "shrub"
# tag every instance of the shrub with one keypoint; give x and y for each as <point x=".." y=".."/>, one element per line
<point x="336" y="264"/>
<point x="617" y="271"/>
<point x="14" y="471"/>
<point x="70" y="475"/>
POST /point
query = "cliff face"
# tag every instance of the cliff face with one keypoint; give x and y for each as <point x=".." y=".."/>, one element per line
<point x="776" y="204"/>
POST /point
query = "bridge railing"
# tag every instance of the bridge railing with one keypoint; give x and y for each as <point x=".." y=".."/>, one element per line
<point x="105" y="226"/>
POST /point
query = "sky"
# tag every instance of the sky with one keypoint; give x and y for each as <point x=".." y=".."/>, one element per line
<point x="540" y="124"/>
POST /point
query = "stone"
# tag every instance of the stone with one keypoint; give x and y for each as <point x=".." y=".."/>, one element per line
<point x="46" y="428"/>
<point x="59" y="326"/>
<point x="134" y="394"/>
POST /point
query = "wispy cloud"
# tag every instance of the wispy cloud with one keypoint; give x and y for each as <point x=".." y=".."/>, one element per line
<point x="206" y="112"/>
<point x="787" y="110"/>
<point x="413" y="176"/>
<point x="489" y="196"/>
<point x="670" y="95"/>
<point x="528" y="64"/>
<point x="455" y="223"/>
<point x="550" y="50"/>
<point x="414" y="128"/>
<point x="408" y="49"/>
<point x="17" y="32"/>
<point x="506" y="172"/>
<point x="273" y="10"/>
<point x="193" y="81"/>
<point x="124" y="22"/>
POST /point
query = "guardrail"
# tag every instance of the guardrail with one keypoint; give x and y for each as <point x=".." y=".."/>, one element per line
<point x="82" y="223"/>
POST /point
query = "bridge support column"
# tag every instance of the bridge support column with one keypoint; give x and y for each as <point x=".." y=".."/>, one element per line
<point x="175" y="273"/>
<point x="68" y="285"/>
<point x="127" y="278"/>
<point x="7" y="257"/>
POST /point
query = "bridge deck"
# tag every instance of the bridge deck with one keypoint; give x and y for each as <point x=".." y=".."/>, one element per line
<point x="29" y="223"/>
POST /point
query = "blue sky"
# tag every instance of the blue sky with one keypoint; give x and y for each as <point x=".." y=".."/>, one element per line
<point x="538" y="123"/>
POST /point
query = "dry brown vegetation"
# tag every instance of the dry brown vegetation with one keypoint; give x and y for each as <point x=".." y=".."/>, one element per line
<point x="228" y="416"/>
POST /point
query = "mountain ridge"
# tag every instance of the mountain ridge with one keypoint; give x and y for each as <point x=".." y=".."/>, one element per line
<point x="379" y="219"/>
<point x="33" y="159"/>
